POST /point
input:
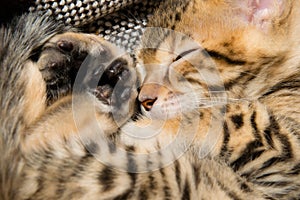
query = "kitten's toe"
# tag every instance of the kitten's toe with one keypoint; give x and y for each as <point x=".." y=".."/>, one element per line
<point x="115" y="85"/>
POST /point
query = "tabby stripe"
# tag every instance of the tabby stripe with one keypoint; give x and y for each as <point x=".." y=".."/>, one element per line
<point x="15" y="125"/>
<point x="125" y="195"/>
<point x="143" y="193"/>
<point x="151" y="177"/>
<point x="271" y="162"/>
<point x="61" y="185"/>
<point x="112" y="141"/>
<point x="226" y="137"/>
<point x="131" y="171"/>
<point x="48" y="154"/>
<point x="81" y="165"/>
<point x="166" y="188"/>
<point x="178" y="173"/>
<point x="186" y="191"/>
<point x="225" y="58"/>
<point x="193" y="81"/>
<point x="196" y="174"/>
<point x="228" y="85"/>
<point x="273" y="128"/>
<point x="272" y="183"/>
<point x="40" y="182"/>
<point x="244" y="187"/>
<point x="207" y="179"/>
<point x="228" y="192"/>
<point x="237" y="121"/>
<point x="249" y="154"/>
<point x="284" y="85"/>
<point x="287" y="150"/>
<point x="247" y="75"/>
<point x="268" y="136"/>
<point x="254" y="126"/>
<point x="266" y="175"/>
<point x="152" y="181"/>
<point x="295" y="170"/>
<point x="106" y="178"/>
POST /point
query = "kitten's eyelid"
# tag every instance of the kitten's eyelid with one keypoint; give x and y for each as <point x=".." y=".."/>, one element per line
<point x="183" y="54"/>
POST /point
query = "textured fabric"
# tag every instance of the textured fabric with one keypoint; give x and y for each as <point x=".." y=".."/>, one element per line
<point x="118" y="21"/>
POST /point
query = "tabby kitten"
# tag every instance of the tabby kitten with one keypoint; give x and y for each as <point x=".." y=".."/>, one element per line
<point x="58" y="146"/>
<point x="217" y="120"/>
<point x="237" y="64"/>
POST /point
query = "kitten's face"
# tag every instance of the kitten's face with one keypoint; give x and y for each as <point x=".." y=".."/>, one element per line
<point x="216" y="49"/>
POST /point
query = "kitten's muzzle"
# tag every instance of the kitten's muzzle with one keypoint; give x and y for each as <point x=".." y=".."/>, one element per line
<point x="150" y="93"/>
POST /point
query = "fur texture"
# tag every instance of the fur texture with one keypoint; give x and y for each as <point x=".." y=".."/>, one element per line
<point x="237" y="64"/>
<point x="219" y="121"/>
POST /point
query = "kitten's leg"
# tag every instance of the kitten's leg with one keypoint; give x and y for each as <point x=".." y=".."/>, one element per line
<point x="69" y="129"/>
<point x="104" y="86"/>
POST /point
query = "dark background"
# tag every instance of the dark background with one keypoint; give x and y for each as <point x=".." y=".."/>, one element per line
<point x="10" y="8"/>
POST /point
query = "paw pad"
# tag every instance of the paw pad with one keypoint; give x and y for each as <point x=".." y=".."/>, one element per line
<point x="65" y="45"/>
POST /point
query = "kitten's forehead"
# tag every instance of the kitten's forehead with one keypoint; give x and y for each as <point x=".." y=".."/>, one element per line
<point x="159" y="45"/>
<point x="220" y="26"/>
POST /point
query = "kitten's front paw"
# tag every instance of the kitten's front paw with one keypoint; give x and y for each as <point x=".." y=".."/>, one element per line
<point x="116" y="73"/>
<point x="60" y="59"/>
<point x="113" y="86"/>
<point x="84" y="64"/>
<point x="111" y="82"/>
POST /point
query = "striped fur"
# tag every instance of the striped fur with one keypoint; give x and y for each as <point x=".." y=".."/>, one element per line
<point x="64" y="150"/>
<point x="240" y="71"/>
<point x="241" y="141"/>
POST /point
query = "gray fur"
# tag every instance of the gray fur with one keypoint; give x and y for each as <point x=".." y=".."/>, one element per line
<point x="18" y="42"/>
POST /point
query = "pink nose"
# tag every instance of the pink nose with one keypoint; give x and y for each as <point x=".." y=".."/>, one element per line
<point x="148" y="104"/>
<point x="150" y="93"/>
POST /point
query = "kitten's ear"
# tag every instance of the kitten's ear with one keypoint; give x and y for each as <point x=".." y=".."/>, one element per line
<point x="262" y="13"/>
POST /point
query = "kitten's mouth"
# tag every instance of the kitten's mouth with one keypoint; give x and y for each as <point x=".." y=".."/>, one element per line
<point x="111" y="88"/>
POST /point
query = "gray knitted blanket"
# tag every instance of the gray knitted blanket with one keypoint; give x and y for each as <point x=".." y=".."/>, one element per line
<point x="118" y="21"/>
